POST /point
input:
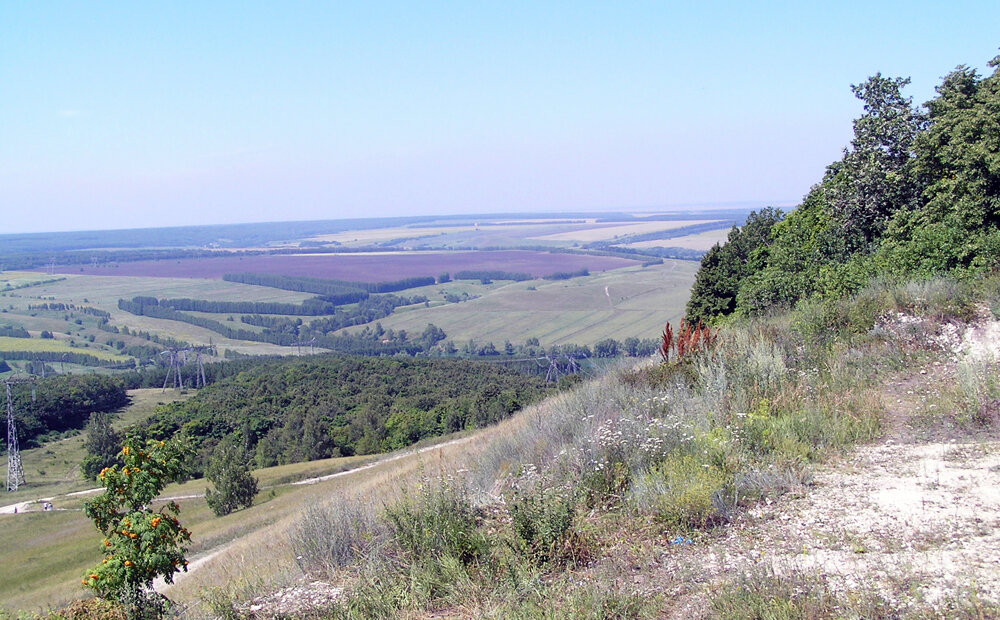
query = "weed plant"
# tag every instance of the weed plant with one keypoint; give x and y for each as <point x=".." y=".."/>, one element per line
<point x="331" y="536"/>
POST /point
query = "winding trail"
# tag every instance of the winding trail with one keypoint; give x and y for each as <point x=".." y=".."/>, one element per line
<point x="160" y="586"/>
<point x="25" y="505"/>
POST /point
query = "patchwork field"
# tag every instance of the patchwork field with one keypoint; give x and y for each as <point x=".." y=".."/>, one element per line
<point x="619" y="299"/>
<point x="700" y="241"/>
<point x="619" y="303"/>
<point x="607" y="232"/>
<point x="358" y="267"/>
<point x="377" y="235"/>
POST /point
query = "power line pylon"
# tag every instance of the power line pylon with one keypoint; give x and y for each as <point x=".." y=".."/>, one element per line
<point x="199" y="376"/>
<point x="302" y="343"/>
<point x="553" y="373"/>
<point x="15" y="470"/>
<point x="177" y="359"/>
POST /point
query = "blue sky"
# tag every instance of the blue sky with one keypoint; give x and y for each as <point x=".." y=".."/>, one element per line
<point x="119" y="115"/>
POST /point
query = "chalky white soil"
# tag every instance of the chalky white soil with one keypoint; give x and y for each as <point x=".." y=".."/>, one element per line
<point x="914" y="517"/>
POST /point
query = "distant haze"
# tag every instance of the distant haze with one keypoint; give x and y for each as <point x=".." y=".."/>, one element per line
<point x="122" y="116"/>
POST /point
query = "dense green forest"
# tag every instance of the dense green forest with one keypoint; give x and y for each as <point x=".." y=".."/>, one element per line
<point x="62" y="403"/>
<point x="916" y="194"/>
<point x="303" y="409"/>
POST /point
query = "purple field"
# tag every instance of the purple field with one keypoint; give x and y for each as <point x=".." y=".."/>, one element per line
<point x="358" y="267"/>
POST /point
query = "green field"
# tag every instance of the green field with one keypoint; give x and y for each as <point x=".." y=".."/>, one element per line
<point x="39" y="345"/>
<point x="631" y="302"/>
<point x="54" y="468"/>
<point x="43" y="554"/>
<point x="103" y="293"/>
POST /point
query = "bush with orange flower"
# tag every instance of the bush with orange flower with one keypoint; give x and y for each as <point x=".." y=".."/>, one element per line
<point x="141" y="541"/>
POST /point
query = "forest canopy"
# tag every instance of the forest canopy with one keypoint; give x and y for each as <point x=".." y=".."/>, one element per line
<point x="916" y="194"/>
<point x="293" y="410"/>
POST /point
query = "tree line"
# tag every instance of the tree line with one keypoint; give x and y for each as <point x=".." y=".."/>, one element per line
<point x="487" y="275"/>
<point x="61" y="403"/>
<point x="70" y="357"/>
<point x="286" y="332"/>
<point x="309" y="307"/>
<point x="333" y="291"/>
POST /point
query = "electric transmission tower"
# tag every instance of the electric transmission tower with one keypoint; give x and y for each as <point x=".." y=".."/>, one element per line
<point x="301" y="343"/>
<point x="15" y="471"/>
<point x="199" y="375"/>
<point x="177" y="359"/>
<point x="553" y="373"/>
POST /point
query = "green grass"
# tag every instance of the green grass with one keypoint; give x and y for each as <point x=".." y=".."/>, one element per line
<point x="44" y="554"/>
<point x="60" y="545"/>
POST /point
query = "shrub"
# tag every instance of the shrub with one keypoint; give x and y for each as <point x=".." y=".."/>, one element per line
<point x="140" y="544"/>
<point x="682" y="491"/>
<point x="436" y="521"/>
<point x="542" y="520"/>
<point x="331" y="536"/>
<point x="229" y="472"/>
<point x="88" y="609"/>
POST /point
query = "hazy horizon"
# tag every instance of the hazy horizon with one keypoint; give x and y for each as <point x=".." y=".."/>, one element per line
<point x="668" y="209"/>
<point x="191" y="114"/>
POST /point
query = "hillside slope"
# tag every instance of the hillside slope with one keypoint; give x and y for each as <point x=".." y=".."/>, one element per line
<point x="719" y="485"/>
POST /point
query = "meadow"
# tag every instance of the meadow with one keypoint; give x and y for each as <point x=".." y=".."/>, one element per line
<point x="631" y="302"/>
<point x="42" y="554"/>
<point x="54" y="469"/>
<point x="36" y="345"/>
<point x="103" y="293"/>
<point x="622" y="302"/>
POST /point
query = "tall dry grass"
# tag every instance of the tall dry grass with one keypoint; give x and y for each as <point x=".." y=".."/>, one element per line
<point x="685" y="445"/>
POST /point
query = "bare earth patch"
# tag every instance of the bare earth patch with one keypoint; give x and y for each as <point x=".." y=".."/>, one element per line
<point x="294" y="601"/>
<point x="915" y="518"/>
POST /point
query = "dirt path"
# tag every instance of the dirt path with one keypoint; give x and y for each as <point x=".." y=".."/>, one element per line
<point x="202" y="560"/>
<point x="913" y="518"/>
<point x="28" y="505"/>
